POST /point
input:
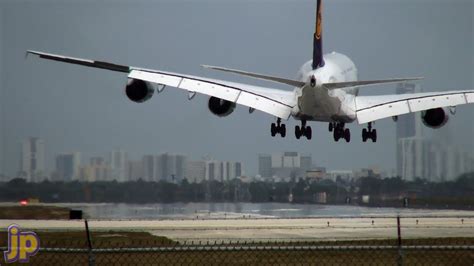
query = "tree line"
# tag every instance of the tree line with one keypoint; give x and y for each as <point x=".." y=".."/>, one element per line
<point x="381" y="191"/>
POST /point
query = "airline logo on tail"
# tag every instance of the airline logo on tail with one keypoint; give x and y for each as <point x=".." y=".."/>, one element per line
<point x="319" y="18"/>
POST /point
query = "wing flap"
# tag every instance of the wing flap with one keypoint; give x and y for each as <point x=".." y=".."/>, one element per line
<point x="372" y="108"/>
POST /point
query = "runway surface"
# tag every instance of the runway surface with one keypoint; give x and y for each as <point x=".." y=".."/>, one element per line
<point x="461" y="225"/>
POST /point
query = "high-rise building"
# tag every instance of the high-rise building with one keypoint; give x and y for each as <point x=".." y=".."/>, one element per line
<point x="68" y="166"/>
<point x="196" y="171"/>
<point x="118" y="163"/>
<point x="410" y="142"/>
<point x="265" y="165"/>
<point x="164" y="167"/>
<point x="32" y="165"/>
<point x="284" y="165"/>
<point x="149" y="168"/>
<point x="97" y="170"/>
<point x="223" y="171"/>
<point x="135" y="170"/>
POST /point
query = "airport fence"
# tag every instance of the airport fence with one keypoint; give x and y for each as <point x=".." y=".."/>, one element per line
<point x="258" y="254"/>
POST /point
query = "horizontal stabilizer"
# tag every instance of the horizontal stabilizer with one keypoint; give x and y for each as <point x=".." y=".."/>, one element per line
<point x="365" y="83"/>
<point x="290" y="82"/>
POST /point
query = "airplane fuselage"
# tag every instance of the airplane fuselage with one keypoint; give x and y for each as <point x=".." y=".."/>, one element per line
<point x="316" y="103"/>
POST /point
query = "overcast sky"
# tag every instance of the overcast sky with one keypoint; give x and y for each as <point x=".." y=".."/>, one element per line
<point x="79" y="109"/>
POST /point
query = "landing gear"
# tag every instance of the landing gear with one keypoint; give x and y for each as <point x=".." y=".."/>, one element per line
<point x="369" y="133"/>
<point x="278" y="128"/>
<point x="303" y="131"/>
<point x="340" y="132"/>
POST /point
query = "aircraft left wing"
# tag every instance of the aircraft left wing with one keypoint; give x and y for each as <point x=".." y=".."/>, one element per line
<point x="278" y="103"/>
<point x="372" y="108"/>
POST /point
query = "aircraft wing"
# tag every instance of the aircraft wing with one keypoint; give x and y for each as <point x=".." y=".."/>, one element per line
<point x="372" y="108"/>
<point x="278" y="103"/>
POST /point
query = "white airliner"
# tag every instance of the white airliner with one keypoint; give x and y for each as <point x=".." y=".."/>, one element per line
<point x="326" y="90"/>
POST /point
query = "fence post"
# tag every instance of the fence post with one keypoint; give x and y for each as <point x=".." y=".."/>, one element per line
<point x="400" y="255"/>
<point x="89" y="244"/>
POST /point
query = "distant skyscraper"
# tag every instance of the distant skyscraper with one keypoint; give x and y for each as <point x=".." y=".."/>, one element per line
<point x="67" y="166"/>
<point x="223" y="171"/>
<point x="118" y="163"/>
<point x="164" y="167"/>
<point x="411" y="147"/>
<point x="195" y="171"/>
<point x="135" y="170"/>
<point x="284" y="165"/>
<point x="32" y="159"/>
<point x="265" y="165"/>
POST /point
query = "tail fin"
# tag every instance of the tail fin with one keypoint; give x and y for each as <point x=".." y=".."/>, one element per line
<point x="318" y="60"/>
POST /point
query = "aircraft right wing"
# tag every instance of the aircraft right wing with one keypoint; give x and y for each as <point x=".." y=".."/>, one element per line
<point x="371" y="108"/>
<point x="278" y="103"/>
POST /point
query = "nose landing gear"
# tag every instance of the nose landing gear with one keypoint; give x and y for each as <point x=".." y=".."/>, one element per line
<point x="278" y="128"/>
<point x="369" y="133"/>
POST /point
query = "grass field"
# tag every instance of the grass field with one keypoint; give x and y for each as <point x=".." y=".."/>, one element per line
<point x="34" y="212"/>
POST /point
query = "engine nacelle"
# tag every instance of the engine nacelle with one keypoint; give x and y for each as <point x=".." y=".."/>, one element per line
<point x="435" y="118"/>
<point x="220" y="107"/>
<point x="139" y="91"/>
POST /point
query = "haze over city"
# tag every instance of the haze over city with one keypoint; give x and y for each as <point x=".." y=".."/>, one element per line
<point x="79" y="109"/>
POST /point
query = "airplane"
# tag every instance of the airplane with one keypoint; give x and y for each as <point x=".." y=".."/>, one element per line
<point x="326" y="90"/>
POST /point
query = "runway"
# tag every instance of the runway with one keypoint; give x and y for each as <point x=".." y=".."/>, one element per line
<point x="297" y="229"/>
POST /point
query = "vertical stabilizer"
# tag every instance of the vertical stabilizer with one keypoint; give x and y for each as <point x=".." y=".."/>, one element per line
<point x="318" y="60"/>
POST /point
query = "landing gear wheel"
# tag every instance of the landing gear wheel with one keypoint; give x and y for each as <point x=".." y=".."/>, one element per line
<point x="347" y="135"/>
<point x="273" y="129"/>
<point x="336" y="135"/>
<point x="309" y="133"/>
<point x="283" y="130"/>
<point x="331" y="127"/>
<point x="364" y="135"/>
<point x="297" y="132"/>
<point x="374" y="135"/>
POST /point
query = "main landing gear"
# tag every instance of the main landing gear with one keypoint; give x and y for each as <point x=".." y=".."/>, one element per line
<point x="278" y="128"/>
<point x="303" y="131"/>
<point x="340" y="132"/>
<point x="369" y="133"/>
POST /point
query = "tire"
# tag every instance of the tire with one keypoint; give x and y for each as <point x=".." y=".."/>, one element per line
<point x="364" y="135"/>
<point x="374" y="135"/>
<point x="336" y="135"/>
<point x="309" y="133"/>
<point x="283" y="130"/>
<point x="347" y="135"/>
<point x="273" y="129"/>
<point x="330" y="128"/>
<point x="297" y="132"/>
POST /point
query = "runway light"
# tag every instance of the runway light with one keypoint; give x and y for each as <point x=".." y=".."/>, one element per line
<point x="23" y="202"/>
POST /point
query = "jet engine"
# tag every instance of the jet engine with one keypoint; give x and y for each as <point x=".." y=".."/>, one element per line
<point x="220" y="107"/>
<point x="138" y="91"/>
<point x="435" y="118"/>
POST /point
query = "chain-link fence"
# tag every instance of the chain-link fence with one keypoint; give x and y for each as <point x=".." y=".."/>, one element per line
<point x="252" y="254"/>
